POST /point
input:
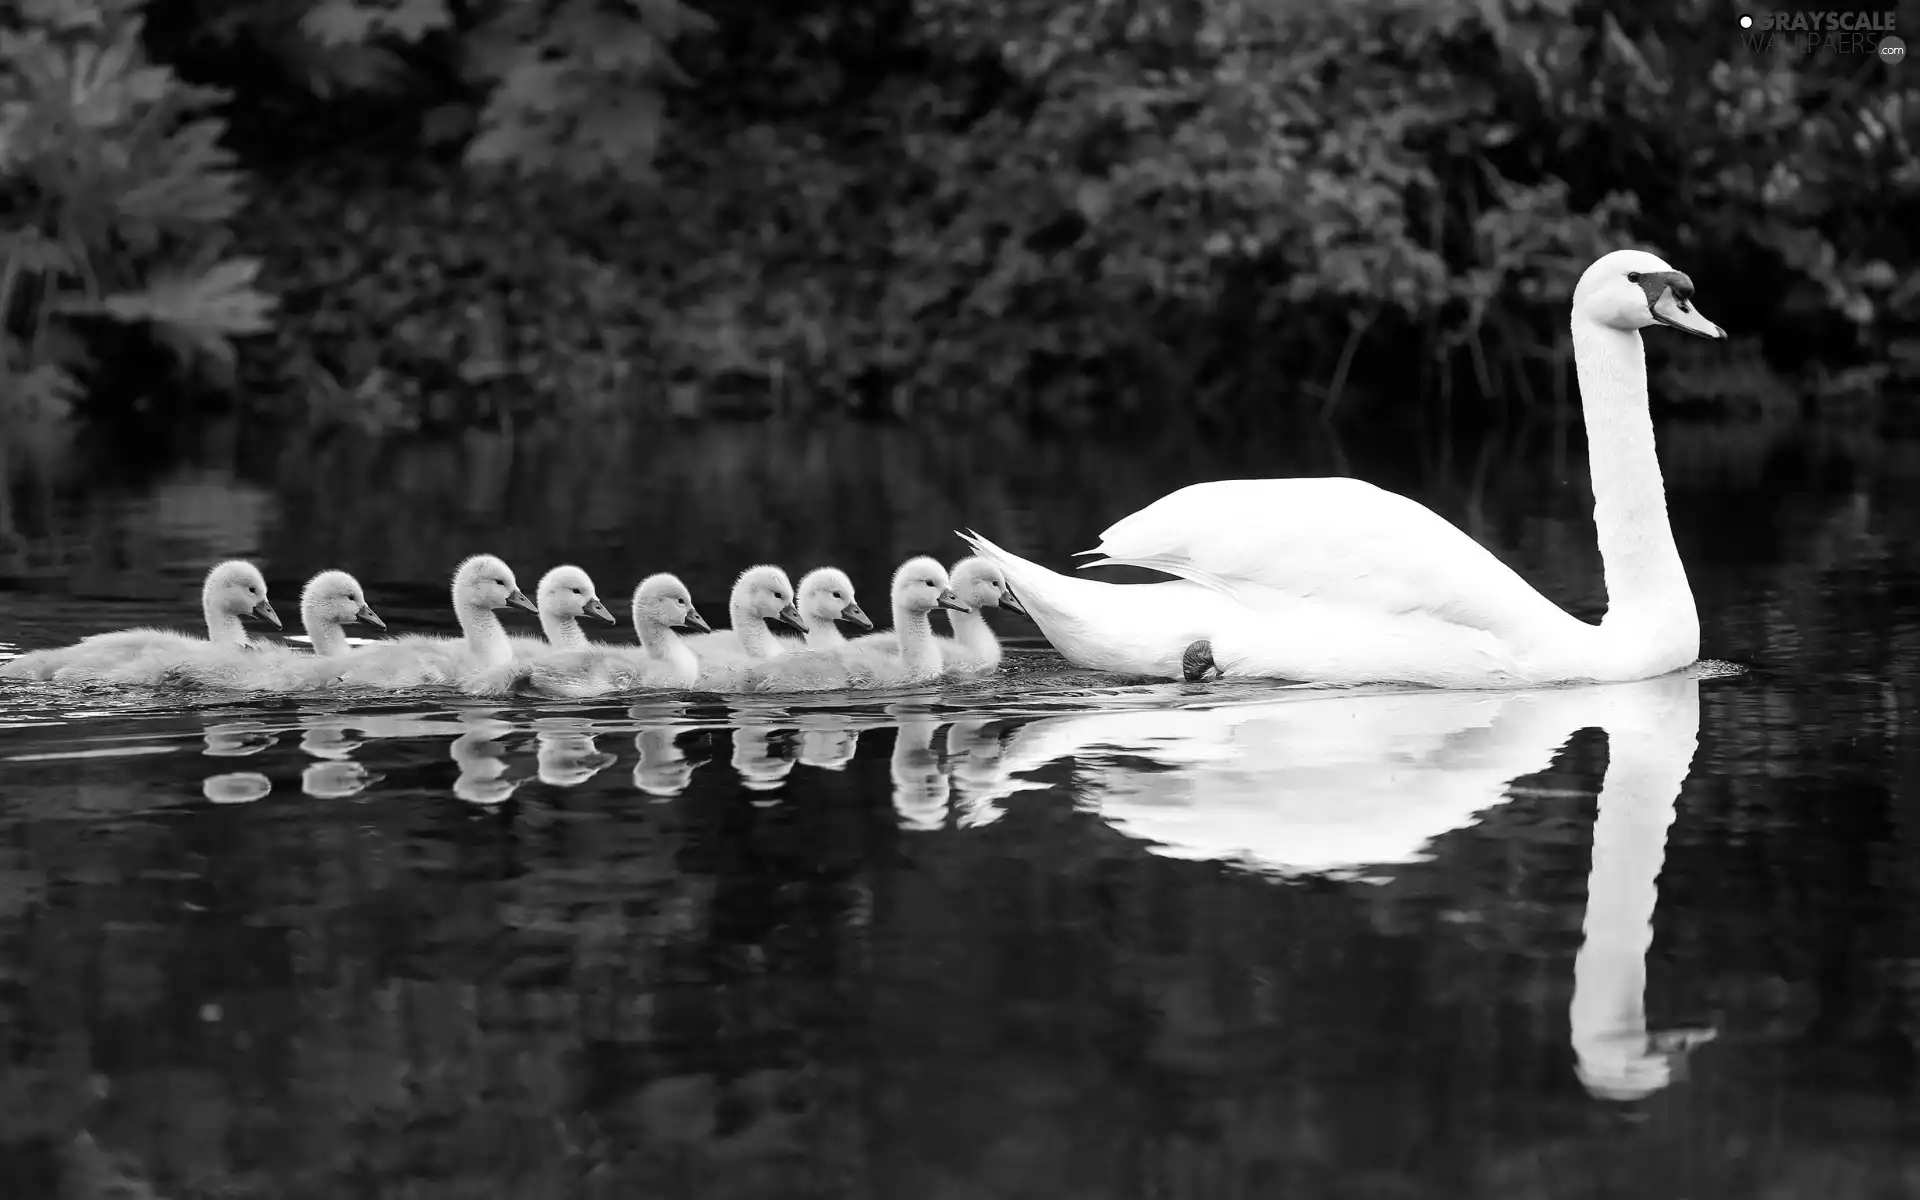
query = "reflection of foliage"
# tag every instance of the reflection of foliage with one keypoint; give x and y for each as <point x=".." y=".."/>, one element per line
<point x="117" y="194"/>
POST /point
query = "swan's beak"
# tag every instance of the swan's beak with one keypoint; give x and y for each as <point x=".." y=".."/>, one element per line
<point x="1011" y="602"/>
<point x="949" y="600"/>
<point x="791" y="616"/>
<point x="696" y="621"/>
<point x="856" y="615"/>
<point x="264" y="611"/>
<point x="367" y="614"/>
<point x="597" y="609"/>
<point x="1680" y="314"/>
<point x="518" y="599"/>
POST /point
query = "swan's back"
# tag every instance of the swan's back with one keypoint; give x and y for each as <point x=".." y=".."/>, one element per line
<point x="1337" y="540"/>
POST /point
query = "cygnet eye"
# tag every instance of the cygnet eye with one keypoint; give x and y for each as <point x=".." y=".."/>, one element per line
<point x="1633" y="277"/>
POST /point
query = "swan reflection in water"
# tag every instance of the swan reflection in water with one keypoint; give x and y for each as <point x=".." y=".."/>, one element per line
<point x="1351" y="784"/>
<point x="1296" y="782"/>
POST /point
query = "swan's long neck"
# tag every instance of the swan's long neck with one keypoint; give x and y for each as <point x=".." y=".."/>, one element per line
<point x="1646" y="582"/>
<point x="329" y="639"/>
<point x="824" y="634"/>
<point x="919" y="653"/>
<point x="755" y="639"/>
<point x="562" y="632"/>
<point x="223" y="627"/>
<point x="971" y="631"/>
<point x="486" y="637"/>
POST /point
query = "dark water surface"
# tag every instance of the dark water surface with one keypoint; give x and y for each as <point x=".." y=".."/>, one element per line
<point x="1043" y="936"/>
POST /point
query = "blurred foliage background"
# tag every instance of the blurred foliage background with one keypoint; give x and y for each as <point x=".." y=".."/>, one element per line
<point x="397" y="213"/>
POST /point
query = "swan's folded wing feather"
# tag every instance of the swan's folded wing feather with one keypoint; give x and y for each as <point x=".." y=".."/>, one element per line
<point x="1331" y="539"/>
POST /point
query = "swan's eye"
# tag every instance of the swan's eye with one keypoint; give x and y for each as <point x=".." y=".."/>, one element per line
<point x="1633" y="277"/>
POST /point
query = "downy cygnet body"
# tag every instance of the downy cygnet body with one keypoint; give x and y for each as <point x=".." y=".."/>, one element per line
<point x="481" y="584"/>
<point x="329" y="602"/>
<point x="661" y="605"/>
<point x="232" y="590"/>
<point x="973" y="649"/>
<point x="908" y="655"/>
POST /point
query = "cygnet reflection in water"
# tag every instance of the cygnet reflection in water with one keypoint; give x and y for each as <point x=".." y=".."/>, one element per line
<point x="482" y="761"/>
<point x="569" y="757"/>
<point x="236" y="787"/>
<point x="761" y="763"/>
<point x="662" y="768"/>
<point x="237" y="739"/>
<point x="336" y="780"/>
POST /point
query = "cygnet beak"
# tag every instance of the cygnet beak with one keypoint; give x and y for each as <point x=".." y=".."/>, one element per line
<point x="1011" y="602"/>
<point x="597" y="609"/>
<point x="949" y="600"/>
<point x="854" y="614"/>
<point x="790" y="616"/>
<point x="367" y="614"/>
<point x="696" y="621"/>
<point x="518" y="599"/>
<point x="264" y="611"/>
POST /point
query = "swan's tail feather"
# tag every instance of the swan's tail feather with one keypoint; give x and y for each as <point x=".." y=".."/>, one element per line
<point x="1055" y="602"/>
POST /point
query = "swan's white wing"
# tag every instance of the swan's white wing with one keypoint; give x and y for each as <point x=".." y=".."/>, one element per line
<point x="1339" y="540"/>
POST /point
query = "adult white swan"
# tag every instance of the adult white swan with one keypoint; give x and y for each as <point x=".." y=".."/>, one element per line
<point x="1338" y="581"/>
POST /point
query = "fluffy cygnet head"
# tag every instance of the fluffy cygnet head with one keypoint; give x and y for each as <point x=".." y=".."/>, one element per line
<point x="764" y="593"/>
<point x="236" y="588"/>
<point x="568" y="592"/>
<point x="921" y="585"/>
<point x="334" y="598"/>
<point x="663" y="602"/>
<point x="485" y="583"/>
<point x="980" y="583"/>
<point x="1631" y="289"/>
<point x="826" y="595"/>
